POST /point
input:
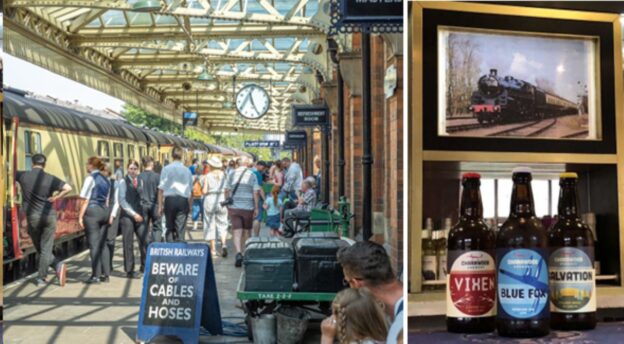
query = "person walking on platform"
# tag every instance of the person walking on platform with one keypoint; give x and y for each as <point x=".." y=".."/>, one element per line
<point x="39" y="191"/>
<point x="174" y="196"/>
<point x="292" y="179"/>
<point x="94" y="218"/>
<point x="113" y="223"/>
<point x="215" y="216"/>
<point x="272" y="207"/>
<point x="132" y="220"/>
<point x="278" y="174"/>
<point x="149" y="200"/>
<point x="197" y="193"/>
<point x="242" y="193"/>
<point x="258" y="171"/>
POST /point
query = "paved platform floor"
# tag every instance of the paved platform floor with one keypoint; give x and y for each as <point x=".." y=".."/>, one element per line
<point x="106" y="313"/>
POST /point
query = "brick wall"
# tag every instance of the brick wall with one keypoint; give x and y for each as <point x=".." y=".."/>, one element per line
<point x="394" y="161"/>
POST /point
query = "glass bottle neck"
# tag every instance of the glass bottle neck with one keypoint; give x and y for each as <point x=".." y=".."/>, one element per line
<point x="471" y="206"/>
<point x="522" y="199"/>
<point x="568" y="201"/>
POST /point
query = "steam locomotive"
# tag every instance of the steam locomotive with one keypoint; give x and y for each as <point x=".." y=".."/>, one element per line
<point x="507" y="99"/>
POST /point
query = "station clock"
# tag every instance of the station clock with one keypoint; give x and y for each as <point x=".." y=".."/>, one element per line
<point x="252" y="101"/>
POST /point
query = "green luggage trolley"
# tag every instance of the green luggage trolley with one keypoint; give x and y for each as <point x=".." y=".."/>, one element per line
<point x="255" y="303"/>
<point x="322" y="220"/>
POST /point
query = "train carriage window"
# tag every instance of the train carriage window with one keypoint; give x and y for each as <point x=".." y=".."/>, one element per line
<point x="141" y="152"/>
<point x="118" y="150"/>
<point x="33" y="146"/>
<point x="103" y="149"/>
<point x="131" y="152"/>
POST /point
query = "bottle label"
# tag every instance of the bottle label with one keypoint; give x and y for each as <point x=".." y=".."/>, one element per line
<point x="442" y="267"/>
<point x="470" y="285"/>
<point x="572" y="280"/>
<point x="522" y="284"/>
<point x="430" y="267"/>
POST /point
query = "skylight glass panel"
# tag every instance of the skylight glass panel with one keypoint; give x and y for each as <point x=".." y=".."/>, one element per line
<point x="113" y="18"/>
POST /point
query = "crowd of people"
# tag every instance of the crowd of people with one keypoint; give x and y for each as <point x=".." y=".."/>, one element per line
<point x="219" y="194"/>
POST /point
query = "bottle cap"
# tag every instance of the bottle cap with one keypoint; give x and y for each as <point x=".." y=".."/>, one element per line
<point x="522" y="169"/>
<point x="471" y="175"/>
<point x="429" y="223"/>
<point x="568" y="175"/>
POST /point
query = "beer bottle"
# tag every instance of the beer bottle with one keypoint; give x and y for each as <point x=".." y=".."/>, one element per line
<point x="441" y="247"/>
<point x="429" y="257"/>
<point x="522" y="271"/>
<point x="470" y="287"/>
<point x="571" y="264"/>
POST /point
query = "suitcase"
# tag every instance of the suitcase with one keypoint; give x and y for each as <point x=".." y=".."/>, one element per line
<point x="262" y="239"/>
<point x="317" y="267"/>
<point x="269" y="266"/>
<point x="326" y="235"/>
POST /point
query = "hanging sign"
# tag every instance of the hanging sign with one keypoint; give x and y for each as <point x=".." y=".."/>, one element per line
<point x="310" y="115"/>
<point x="367" y="16"/>
<point x="178" y="280"/>
<point x="190" y="119"/>
<point x="296" y="137"/>
<point x="262" y="144"/>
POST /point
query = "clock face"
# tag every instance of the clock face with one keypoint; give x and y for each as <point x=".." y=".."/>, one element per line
<point x="252" y="101"/>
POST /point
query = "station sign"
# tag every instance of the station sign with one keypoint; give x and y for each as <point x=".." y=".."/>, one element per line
<point x="179" y="293"/>
<point x="367" y="15"/>
<point x="296" y="137"/>
<point x="190" y="119"/>
<point x="310" y="115"/>
<point x="262" y="144"/>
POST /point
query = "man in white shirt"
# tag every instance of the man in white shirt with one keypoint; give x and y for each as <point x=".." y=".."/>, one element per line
<point x="367" y="265"/>
<point x="292" y="179"/>
<point x="174" y="193"/>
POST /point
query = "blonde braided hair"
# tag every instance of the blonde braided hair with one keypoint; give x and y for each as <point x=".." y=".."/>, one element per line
<point x="358" y="316"/>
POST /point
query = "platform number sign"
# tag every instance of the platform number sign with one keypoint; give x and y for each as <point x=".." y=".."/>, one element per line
<point x="178" y="287"/>
<point x="252" y="102"/>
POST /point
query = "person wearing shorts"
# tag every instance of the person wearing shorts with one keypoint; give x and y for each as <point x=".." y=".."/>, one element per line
<point x="244" y="206"/>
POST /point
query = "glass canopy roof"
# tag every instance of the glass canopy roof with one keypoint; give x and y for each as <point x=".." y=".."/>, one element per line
<point x="265" y="42"/>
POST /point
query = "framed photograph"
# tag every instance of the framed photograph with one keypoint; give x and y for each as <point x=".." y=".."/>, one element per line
<point x="505" y="84"/>
<point x="520" y="84"/>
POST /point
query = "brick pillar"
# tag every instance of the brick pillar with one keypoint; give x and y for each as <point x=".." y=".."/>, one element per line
<point x="394" y="162"/>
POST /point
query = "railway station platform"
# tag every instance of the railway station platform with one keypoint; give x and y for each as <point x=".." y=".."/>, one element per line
<point x="108" y="312"/>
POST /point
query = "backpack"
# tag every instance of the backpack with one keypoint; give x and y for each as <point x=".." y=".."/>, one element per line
<point x="197" y="189"/>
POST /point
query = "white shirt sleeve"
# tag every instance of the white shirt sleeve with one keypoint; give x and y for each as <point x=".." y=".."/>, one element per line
<point x="164" y="176"/>
<point x="115" y="210"/>
<point x="254" y="182"/>
<point x="87" y="187"/>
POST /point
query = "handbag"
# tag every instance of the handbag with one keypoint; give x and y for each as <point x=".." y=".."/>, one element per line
<point x="230" y="200"/>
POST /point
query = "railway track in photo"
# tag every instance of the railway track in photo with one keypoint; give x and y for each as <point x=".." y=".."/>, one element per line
<point x="531" y="129"/>
<point x="463" y="127"/>
<point x="582" y="133"/>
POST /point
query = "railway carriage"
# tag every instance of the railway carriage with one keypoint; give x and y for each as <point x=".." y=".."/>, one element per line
<point x="68" y="138"/>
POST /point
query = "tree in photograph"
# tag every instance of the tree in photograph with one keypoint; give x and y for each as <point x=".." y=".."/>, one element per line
<point x="463" y="73"/>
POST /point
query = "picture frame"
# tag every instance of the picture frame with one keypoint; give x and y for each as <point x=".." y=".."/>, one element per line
<point x="531" y="129"/>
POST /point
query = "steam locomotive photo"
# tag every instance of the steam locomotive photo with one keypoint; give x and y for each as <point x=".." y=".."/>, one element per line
<point x="507" y="99"/>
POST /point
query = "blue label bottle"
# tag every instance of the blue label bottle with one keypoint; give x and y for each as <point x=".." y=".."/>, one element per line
<point x="522" y="266"/>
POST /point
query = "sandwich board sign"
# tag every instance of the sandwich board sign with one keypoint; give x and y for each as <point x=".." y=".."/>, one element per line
<point x="179" y="279"/>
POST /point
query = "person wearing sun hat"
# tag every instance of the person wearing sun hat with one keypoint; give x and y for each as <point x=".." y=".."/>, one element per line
<point x="215" y="216"/>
